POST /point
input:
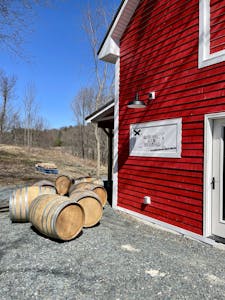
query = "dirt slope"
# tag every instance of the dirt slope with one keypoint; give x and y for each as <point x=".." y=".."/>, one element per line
<point x="17" y="164"/>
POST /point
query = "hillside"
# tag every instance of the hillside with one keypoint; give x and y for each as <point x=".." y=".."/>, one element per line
<point x="17" y="164"/>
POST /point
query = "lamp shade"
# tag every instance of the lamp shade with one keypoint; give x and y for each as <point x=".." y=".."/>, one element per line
<point x="136" y="103"/>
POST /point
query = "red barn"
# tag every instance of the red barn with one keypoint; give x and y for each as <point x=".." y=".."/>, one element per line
<point x="169" y="142"/>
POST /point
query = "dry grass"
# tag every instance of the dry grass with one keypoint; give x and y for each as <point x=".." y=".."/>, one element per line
<point x="17" y="164"/>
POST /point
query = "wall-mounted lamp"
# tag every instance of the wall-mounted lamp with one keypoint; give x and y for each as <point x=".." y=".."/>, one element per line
<point x="136" y="103"/>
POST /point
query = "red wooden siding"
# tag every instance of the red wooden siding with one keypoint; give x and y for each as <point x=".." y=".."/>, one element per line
<point x="159" y="52"/>
<point x="217" y="26"/>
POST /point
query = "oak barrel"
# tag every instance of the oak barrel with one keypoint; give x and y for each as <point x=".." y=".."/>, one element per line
<point x="21" y="199"/>
<point x="44" y="183"/>
<point x="90" y="179"/>
<point x="91" y="204"/>
<point x="87" y="186"/>
<point x="57" y="216"/>
<point x="62" y="184"/>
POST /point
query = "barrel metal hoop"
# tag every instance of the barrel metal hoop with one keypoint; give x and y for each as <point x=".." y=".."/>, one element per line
<point x="47" y="216"/>
<point x="85" y="194"/>
<point x="26" y="204"/>
<point x="11" y="205"/>
<point x="33" y="207"/>
<point x="44" y="219"/>
<point x="20" y="204"/>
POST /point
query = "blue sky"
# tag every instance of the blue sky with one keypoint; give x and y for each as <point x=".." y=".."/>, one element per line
<point x="59" y="55"/>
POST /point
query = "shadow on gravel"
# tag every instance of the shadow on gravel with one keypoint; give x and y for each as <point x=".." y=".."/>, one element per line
<point x="53" y="239"/>
<point x="96" y="225"/>
<point x="8" y="246"/>
<point x="2" y="253"/>
<point x="43" y="271"/>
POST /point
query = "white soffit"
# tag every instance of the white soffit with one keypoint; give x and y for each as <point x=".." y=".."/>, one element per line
<point x="100" y="114"/>
<point x="110" y="49"/>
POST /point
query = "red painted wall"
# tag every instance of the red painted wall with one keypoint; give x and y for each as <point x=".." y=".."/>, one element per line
<point x="159" y="52"/>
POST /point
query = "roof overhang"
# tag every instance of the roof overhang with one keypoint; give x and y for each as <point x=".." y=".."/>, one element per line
<point x="104" y="116"/>
<point x="110" y="48"/>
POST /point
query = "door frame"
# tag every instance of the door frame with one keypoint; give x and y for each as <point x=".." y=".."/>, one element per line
<point x="208" y="154"/>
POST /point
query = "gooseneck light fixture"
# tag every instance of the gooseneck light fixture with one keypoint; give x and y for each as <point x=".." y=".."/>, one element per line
<point x="137" y="103"/>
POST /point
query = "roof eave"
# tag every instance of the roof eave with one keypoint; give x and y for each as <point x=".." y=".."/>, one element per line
<point x="100" y="113"/>
<point x="110" y="48"/>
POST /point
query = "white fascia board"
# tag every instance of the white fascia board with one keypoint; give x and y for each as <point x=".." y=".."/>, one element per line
<point x="99" y="113"/>
<point x="110" y="50"/>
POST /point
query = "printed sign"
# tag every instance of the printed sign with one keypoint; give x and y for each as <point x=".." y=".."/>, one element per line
<point x="157" y="139"/>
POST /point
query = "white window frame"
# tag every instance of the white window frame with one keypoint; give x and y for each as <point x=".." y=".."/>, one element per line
<point x="204" y="57"/>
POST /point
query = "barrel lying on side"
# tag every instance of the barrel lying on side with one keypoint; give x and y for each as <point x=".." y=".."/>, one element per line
<point x="87" y="186"/>
<point x="57" y="216"/>
<point x="44" y="183"/>
<point x="62" y="184"/>
<point x="21" y="199"/>
<point x="91" y="204"/>
<point x="90" y="179"/>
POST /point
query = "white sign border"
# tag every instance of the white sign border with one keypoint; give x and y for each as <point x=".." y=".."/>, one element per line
<point x="175" y="154"/>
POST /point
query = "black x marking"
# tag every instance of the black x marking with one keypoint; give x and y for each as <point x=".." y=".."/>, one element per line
<point x="137" y="132"/>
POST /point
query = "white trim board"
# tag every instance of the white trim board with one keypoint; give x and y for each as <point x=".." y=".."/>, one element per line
<point x="207" y="197"/>
<point x="168" y="227"/>
<point x="116" y="135"/>
<point x="205" y="58"/>
<point x="160" y="138"/>
<point x="94" y="117"/>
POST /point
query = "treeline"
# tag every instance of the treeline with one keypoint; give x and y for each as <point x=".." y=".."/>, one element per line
<point x="23" y="125"/>
<point x="69" y="138"/>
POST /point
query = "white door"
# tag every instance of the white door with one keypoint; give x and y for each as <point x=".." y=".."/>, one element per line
<point x="218" y="179"/>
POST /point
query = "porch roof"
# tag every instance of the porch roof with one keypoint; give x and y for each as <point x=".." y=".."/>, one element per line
<point x="104" y="116"/>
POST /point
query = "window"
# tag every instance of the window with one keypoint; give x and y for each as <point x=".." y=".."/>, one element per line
<point x="211" y="32"/>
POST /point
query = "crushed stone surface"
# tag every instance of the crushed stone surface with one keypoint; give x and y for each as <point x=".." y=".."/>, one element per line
<point x="120" y="258"/>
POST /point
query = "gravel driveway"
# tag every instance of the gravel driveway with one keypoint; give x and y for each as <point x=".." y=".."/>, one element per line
<point x="122" y="258"/>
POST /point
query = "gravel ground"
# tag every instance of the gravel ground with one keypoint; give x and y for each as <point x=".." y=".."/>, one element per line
<point x="121" y="258"/>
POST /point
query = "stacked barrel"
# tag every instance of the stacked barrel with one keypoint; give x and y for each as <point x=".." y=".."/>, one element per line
<point x="60" y="210"/>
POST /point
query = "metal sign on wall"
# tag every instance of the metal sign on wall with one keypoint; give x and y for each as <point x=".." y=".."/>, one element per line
<point x="156" y="139"/>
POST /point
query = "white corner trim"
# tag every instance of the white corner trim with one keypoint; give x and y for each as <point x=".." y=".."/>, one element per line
<point x="168" y="227"/>
<point x="204" y="56"/>
<point x="207" y="195"/>
<point x="116" y="135"/>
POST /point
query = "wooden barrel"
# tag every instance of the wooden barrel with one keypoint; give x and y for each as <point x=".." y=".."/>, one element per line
<point x="91" y="204"/>
<point x="87" y="186"/>
<point x="21" y="199"/>
<point x="44" y="183"/>
<point x="62" y="184"/>
<point x="94" y="180"/>
<point x="57" y="216"/>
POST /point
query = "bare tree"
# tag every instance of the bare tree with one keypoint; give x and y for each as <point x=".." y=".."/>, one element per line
<point x="94" y="24"/>
<point x="30" y="113"/>
<point x="7" y="86"/>
<point x="15" y="22"/>
<point x="81" y="107"/>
